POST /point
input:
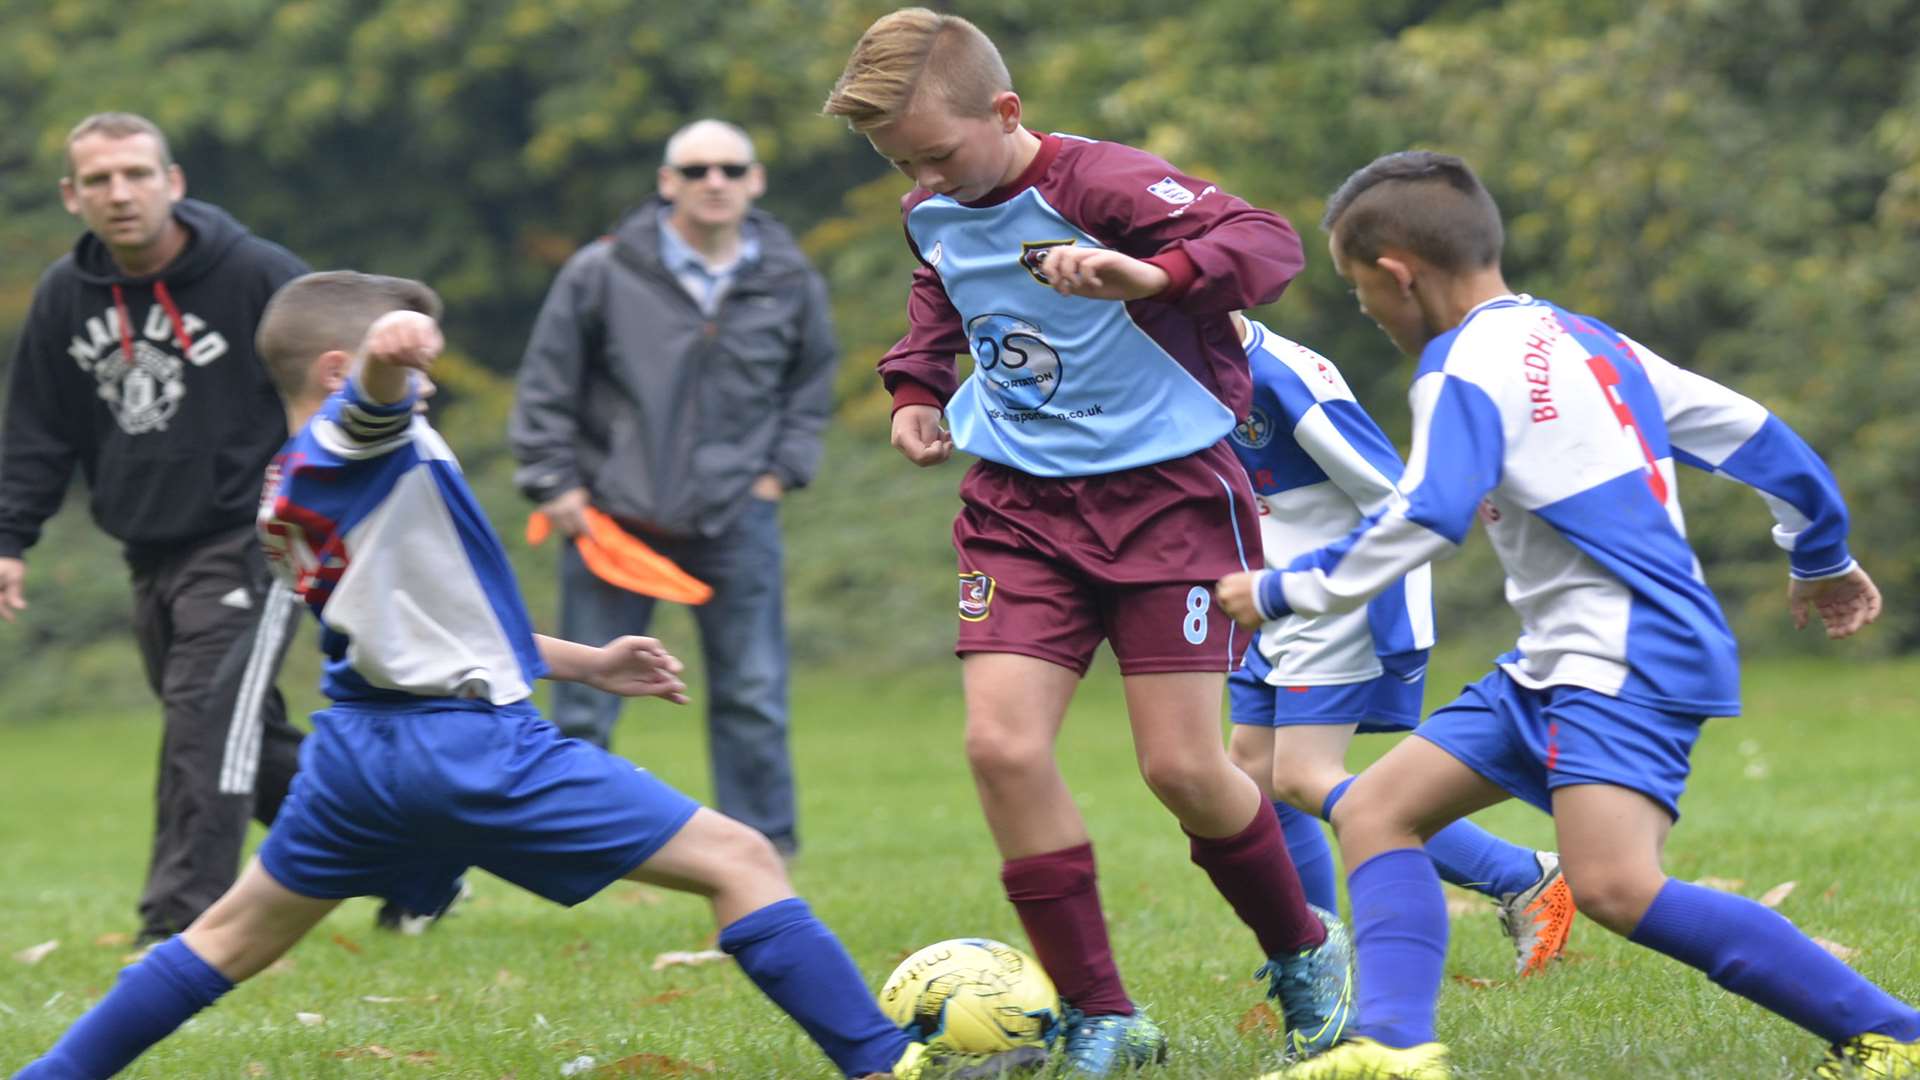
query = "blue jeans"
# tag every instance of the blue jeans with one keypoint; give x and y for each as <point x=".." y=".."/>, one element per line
<point x="743" y="638"/>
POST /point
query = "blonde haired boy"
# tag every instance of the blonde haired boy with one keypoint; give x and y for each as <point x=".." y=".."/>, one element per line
<point x="1093" y="286"/>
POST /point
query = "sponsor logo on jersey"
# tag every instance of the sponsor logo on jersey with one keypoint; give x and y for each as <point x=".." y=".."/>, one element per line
<point x="976" y="596"/>
<point x="1032" y="251"/>
<point x="1014" y="359"/>
<point x="1172" y="191"/>
<point x="1254" y="432"/>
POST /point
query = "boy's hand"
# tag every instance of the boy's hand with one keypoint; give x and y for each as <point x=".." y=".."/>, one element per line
<point x="917" y="435"/>
<point x="13" y="596"/>
<point x="1100" y="274"/>
<point x="1846" y="604"/>
<point x="1235" y="593"/>
<point x="637" y="667"/>
<point x="404" y="339"/>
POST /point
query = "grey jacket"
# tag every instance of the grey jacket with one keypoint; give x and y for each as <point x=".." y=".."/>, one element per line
<point x="665" y="416"/>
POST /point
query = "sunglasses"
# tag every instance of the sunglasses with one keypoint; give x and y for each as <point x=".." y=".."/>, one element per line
<point x="699" y="172"/>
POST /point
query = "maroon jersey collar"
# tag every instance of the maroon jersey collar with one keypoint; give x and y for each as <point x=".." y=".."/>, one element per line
<point x="1029" y="176"/>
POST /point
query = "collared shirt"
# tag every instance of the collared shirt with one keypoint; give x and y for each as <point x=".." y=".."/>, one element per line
<point x="707" y="284"/>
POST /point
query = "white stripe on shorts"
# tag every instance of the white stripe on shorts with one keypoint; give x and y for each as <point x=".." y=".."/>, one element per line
<point x="242" y="761"/>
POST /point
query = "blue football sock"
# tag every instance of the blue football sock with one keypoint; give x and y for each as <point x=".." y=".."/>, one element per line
<point x="1333" y="799"/>
<point x="1467" y="855"/>
<point x="1473" y="858"/>
<point x="152" y="998"/>
<point x="797" y="962"/>
<point x="1400" y="943"/>
<point x="1312" y="856"/>
<point x="1759" y="955"/>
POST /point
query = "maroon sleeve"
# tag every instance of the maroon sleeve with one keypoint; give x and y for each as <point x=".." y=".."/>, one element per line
<point x="920" y="368"/>
<point x="1220" y="254"/>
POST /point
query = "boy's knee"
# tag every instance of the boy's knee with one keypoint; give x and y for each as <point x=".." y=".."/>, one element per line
<point x="1303" y="787"/>
<point x="994" y="752"/>
<point x="746" y="854"/>
<point x="1614" y="897"/>
<point x="1180" y="780"/>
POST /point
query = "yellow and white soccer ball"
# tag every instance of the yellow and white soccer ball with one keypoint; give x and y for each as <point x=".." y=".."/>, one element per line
<point x="973" y="996"/>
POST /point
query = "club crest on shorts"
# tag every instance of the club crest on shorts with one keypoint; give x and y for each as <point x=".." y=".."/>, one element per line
<point x="1032" y="251"/>
<point x="976" y="596"/>
<point x="1254" y="432"/>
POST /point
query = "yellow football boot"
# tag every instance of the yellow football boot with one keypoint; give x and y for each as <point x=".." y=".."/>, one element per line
<point x="1361" y="1058"/>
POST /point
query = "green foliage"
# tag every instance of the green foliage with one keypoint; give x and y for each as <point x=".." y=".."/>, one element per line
<point x="1736" y="184"/>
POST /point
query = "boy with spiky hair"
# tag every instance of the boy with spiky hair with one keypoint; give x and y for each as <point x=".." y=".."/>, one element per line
<point x="430" y="759"/>
<point x="1093" y="285"/>
<point x="1561" y="434"/>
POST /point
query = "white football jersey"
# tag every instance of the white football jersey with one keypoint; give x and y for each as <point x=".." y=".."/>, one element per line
<point x="1561" y="435"/>
<point x="1319" y="464"/>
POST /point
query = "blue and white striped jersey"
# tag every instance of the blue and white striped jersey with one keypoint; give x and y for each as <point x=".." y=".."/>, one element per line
<point x="367" y="517"/>
<point x="1561" y="434"/>
<point x="1319" y="464"/>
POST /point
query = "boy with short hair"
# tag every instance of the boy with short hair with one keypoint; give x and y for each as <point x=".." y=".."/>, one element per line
<point x="1093" y="285"/>
<point x="1561" y="435"/>
<point x="1319" y="465"/>
<point x="431" y="760"/>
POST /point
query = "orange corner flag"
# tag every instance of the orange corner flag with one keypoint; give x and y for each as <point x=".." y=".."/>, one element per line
<point x="623" y="560"/>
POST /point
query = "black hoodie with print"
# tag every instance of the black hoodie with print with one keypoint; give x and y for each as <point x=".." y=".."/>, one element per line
<point x="150" y="385"/>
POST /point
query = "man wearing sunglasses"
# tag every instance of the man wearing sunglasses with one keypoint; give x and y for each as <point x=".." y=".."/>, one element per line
<point x="678" y="378"/>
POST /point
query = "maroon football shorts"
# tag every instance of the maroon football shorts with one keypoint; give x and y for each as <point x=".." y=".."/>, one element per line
<point x="1051" y="565"/>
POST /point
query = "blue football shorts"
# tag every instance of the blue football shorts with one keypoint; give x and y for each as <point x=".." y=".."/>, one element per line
<point x="1382" y="704"/>
<point x="398" y="801"/>
<point x="1529" y="742"/>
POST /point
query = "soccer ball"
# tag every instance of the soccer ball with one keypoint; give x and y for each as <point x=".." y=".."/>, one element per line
<point x="973" y="996"/>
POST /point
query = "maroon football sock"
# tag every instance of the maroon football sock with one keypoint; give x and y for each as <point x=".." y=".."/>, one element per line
<point x="1059" y="903"/>
<point x="1253" y="871"/>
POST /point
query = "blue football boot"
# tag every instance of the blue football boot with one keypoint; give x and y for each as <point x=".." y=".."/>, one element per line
<point x="1100" y="1045"/>
<point x="1315" y="989"/>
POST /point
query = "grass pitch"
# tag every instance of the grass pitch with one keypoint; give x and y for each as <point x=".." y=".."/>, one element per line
<point x="1819" y="785"/>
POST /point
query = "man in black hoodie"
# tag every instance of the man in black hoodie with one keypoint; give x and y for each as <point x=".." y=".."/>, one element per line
<point x="137" y="365"/>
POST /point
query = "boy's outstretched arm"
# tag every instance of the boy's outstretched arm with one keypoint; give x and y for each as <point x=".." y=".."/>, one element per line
<point x="1721" y="431"/>
<point x="629" y="666"/>
<point x="1458" y="449"/>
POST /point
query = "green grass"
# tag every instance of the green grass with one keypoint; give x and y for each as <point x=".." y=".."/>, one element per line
<point x="1820" y="784"/>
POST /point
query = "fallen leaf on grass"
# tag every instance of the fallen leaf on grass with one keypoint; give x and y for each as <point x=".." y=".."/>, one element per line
<point x="688" y="959"/>
<point x="652" y="1065"/>
<point x="348" y="944"/>
<point x="1724" y="884"/>
<point x="1773" y="897"/>
<point x="1259" y="1019"/>
<point x="576" y="948"/>
<point x="1475" y="981"/>
<point x="422" y="1057"/>
<point x="1844" y="952"/>
<point x="310" y="1019"/>
<point x="117" y="939"/>
<point x="662" y="998"/>
<point x="255" y="1069"/>
<point x="371" y="1050"/>
<point x="33" y="954"/>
